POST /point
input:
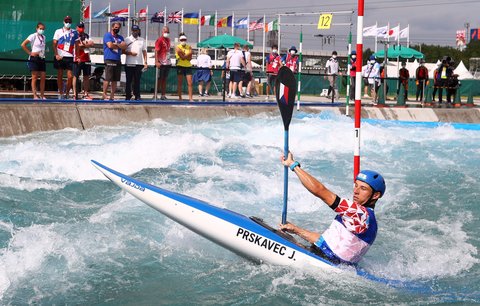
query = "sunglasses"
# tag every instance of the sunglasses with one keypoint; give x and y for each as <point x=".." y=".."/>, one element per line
<point x="183" y="40"/>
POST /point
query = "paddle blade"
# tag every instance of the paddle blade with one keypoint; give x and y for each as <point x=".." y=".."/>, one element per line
<point x="285" y="93"/>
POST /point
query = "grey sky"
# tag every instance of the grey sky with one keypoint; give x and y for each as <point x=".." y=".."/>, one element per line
<point x="431" y="21"/>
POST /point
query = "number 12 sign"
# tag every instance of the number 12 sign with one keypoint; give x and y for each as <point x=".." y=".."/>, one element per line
<point x="325" y="21"/>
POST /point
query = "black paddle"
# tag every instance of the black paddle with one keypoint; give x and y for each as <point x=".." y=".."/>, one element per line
<point x="285" y="92"/>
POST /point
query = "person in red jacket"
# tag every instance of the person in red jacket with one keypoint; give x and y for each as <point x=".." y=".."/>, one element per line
<point x="403" y="76"/>
<point x="274" y="62"/>
<point x="421" y="79"/>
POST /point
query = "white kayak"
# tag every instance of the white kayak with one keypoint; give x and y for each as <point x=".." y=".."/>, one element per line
<point x="247" y="237"/>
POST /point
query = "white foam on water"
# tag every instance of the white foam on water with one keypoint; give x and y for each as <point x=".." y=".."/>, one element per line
<point x="234" y="163"/>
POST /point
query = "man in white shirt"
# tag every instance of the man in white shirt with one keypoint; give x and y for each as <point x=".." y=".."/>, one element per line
<point x="248" y="75"/>
<point x="235" y="63"/>
<point x="63" y="48"/>
<point x="332" y="71"/>
<point x="135" y="63"/>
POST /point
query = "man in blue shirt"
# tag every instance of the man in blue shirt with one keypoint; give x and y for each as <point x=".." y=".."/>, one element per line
<point x="113" y="45"/>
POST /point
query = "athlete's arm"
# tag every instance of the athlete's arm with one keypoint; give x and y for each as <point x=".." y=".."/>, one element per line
<point x="309" y="236"/>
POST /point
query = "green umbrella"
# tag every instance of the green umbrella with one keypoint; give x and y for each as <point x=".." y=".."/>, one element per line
<point x="223" y="41"/>
<point x="399" y="51"/>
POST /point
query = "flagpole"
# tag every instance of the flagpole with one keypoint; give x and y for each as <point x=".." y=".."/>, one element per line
<point x="182" y="20"/>
<point x="109" y="18"/>
<point x="408" y="36"/>
<point x="263" y="43"/>
<point x="146" y="27"/>
<point x="216" y="32"/>
<point x="199" y="25"/>
<point x="279" y="32"/>
<point x="128" y="20"/>
<point x="248" y="27"/>
<point x="233" y="23"/>
<point x="358" y="84"/>
<point x="90" y="19"/>
<point x="376" y="35"/>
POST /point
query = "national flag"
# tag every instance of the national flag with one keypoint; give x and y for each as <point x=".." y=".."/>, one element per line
<point x="460" y="40"/>
<point x="271" y="26"/>
<point x="207" y="20"/>
<point x="382" y="31"/>
<point x="142" y="14"/>
<point x="393" y="32"/>
<point x="86" y="12"/>
<point x="475" y="34"/>
<point x="404" y="33"/>
<point x="117" y="18"/>
<point x="256" y="25"/>
<point x="158" y="17"/>
<point x="225" y="22"/>
<point x="120" y="13"/>
<point x="175" y="17"/>
<point x="190" y="18"/>
<point x="241" y="23"/>
<point x="370" y="31"/>
<point x="283" y="94"/>
<point x="100" y="13"/>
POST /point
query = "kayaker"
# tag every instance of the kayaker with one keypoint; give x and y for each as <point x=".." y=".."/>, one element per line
<point x="354" y="229"/>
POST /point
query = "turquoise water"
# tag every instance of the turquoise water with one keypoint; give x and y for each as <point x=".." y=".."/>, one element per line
<point x="68" y="236"/>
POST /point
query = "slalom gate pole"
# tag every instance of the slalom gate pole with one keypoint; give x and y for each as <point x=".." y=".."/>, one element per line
<point x="358" y="80"/>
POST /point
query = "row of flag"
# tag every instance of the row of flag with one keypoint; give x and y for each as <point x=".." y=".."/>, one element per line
<point x="186" y="18"/>
<point x="386" y="32"/>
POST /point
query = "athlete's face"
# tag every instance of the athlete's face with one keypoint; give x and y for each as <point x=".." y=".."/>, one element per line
<point x="362" y="192"/>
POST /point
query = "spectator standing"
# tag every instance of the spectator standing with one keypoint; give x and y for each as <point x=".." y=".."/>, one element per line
<point x="247" y="75"/>
<point x="36" y="59"/>
<point x="403" y="77"/>
<point x="235" y="63"/>
<point x="63" y="48"/>
<point x="353" y="73"/>
<point x="331" y="69"/>
<point x="421" y="79"/>
<point x="183" y="54"/>
<point x="444" y="73"/>
<point x="371" y="73"/>
<point x="135" y="62"/>
<point x="162" y="60"/>
<point x="452" y="86"/>
<point x="203" y="76"/>
<point x="291" y="59"/>
<point x="81" y="63"/>
<point x="113" y="45"/>
<point x="274" y="62"/>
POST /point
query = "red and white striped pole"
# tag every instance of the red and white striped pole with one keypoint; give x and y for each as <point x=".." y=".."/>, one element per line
<point x="358" y="88"/>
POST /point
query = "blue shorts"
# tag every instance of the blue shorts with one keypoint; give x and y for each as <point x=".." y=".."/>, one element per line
<point x="83" y="67"/>
<point x="36" y="63"/>
<point x="236" y="75"/>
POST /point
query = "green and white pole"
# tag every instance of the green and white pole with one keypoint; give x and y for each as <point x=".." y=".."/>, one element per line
<point x="299" y="75"/>
<point x="348" y="73"/>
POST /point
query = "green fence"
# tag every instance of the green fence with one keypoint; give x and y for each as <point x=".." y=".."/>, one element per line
<point x="19" y="18"/>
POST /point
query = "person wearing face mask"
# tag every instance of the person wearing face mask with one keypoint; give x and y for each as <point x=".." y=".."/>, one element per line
<point x="403" y="77"/>
<point x="421" y="79"/>
<point x="36" y="59"/>
<point x="371" y="73"/>
<point x="291" y="59"/>
<point x="274" y="62"/>
<point x="183" y="54"/>
<point x="162" y="60"/>
<point x="135" y="62"/>
<point x="332" y="68"/>
<point x="63" y="48"/>
<point x="353" y="73"/>
<point x="81" y="63"/>
<point x="113" y="45"/>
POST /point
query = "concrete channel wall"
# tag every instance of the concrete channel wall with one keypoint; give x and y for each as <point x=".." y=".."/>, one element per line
<point x="21" y="119"/>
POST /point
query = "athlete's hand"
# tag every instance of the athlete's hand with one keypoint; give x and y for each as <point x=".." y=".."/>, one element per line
<point x="288" y="227"/>
<point x="287" y="162"/>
